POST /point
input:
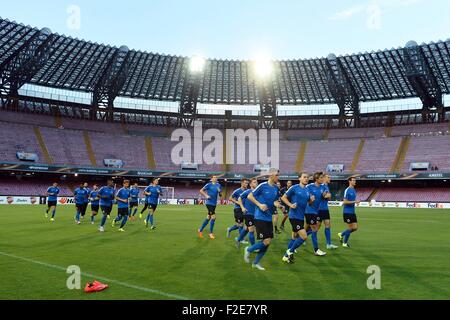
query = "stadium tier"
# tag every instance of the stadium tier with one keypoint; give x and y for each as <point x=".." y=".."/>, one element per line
<point x="89" y="143"/>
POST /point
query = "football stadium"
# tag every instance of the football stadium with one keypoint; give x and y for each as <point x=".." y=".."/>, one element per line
<point x="128" y="174"/>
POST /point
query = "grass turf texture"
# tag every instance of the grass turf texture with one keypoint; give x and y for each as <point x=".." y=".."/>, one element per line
<point x="409" y="245"/>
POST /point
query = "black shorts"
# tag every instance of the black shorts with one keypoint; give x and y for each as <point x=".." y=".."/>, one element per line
<point x="238" y="215"/>
<point x="324" y="215"/>
<point x="297" y="225"/>
<point x="84" y="208"/>
<point x="211" y="209"/>
<point x="152" y="206"/>
<point x="94" y="207"/>
<point x="350" y="218"/>
<point x="52" y="203"/>
<point x="122" y="211"/>
<point x="79" y="207"/>
<point x="106" y="210"/>
<point x="311" y="219"/>
<point x="264" y="229"/>
<point x="249" y="220"/>
<point x="275" y="212"/>
<point x="286" y="209"/>
<point x="134" y="204"/>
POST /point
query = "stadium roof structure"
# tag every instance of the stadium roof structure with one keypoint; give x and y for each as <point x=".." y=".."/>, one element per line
<point x="39" y="57"/>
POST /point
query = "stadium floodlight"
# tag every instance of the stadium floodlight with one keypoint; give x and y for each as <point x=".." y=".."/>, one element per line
<point x="197" y="64"/>
<point x="263" y="67"/>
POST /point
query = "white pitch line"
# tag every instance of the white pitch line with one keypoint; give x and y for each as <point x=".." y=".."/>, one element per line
<point x="89" y="275"/>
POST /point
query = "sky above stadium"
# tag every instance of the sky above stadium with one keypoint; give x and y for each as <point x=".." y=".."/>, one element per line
<point x="241" y="29"/>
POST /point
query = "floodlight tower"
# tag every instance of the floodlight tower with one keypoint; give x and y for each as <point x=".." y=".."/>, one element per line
<point x="421" y="77"/>
<point x="188" y="105"/>
<point x="268" y="115"/>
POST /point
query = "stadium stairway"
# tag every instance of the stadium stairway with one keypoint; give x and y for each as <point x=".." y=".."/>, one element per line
<point x="225" y="165"/>
<point x="150" y="158"/>
<point x="301" y="156"/>
<point x="373" y="194"/>
<point x="40" y="139"/>
<point x="388" y="132"/>
<point x="357" y="155"/>
<point x="401" y="154"/>
<point x="90" y="150"/>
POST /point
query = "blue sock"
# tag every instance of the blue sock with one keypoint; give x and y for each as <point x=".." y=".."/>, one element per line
<point x="77" y="216"/>
<point x="151" y="219"/>
<point x="240" y="229"/>
<point x="102" y="224"/>
<point x="257" y="246"/>
<point x="242" y="235"/>
<point x="297" y="243"/>
<point x="308" y="233"/>
<point x="291" y="243"/>
<point x="135" y="211"/>
<point x="235" y="227"/>
<point x="118" y="218"/>
<point x="129" y="211"/>
<point x="314" y="241"/>
<point x="251" y="237"/>
<point x="211" y="225"/>
<point x="92" y="218"/>
<point x="344" y="233"/>
<point x="205" y="223"/>
<point x="328" y="235"/>
<point x="124" y="221"/>
<point x="53" y="213"/>
<point x="347" y="236"/>
<point x="260" y="255"/>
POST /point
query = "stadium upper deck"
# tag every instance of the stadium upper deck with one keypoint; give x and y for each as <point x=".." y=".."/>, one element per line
<point x="45" y="59"/>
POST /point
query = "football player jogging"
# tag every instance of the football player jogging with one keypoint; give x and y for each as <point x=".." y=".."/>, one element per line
<point x="211" y="192"/>
<point x="275" y="212"/>
<point x="86" y="200"/>
<point x="52" y="200"/>
<point x="152" y="192"/>
<point x="350" y="219"/>
<point x="122" y="198"/>
<point x="324" y="212"/>
<point x="238" y="214"/>
<point x="265" y="197"/>
<point x="312" y="210"/>
<point x="80" y="195"/>
<point x="286" y="207"/>
<point x="297" y="198"/>
<point x="134" y="201"/>
<point x="95" y="203"/>
<point x="248" y="209"/>
<point x="106" y="196"/>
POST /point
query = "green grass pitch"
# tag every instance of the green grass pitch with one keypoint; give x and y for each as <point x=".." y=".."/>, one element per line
<point x="411" y="246"/>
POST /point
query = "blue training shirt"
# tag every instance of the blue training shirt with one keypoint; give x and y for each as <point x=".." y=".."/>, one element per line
<point x="350" y="195"/>
<point x="93" y="198"/>
<point x="266" y="194"/>
<point x="248" y="205"/>
<point x="134" y="195"/>
<point x="324" y="202"/>
<point x="299" y="196"/>
<point x="53" y="193"/>
<point x="123" y="193"/>
<point x="80" y="194"/>
<point x="317" y="192"/>
<point x="86" y="198"/>
<point x="155" y="192"/>
<point x="106" y="195"/>
<point x="212" y="190"/>
<point x="235" y="196"/>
